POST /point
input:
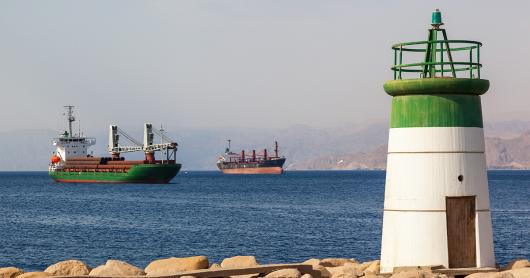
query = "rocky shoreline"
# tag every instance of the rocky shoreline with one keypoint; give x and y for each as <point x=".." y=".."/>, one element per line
<point x="326" y="268"/>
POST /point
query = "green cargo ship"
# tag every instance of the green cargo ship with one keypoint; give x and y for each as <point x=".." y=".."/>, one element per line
<point x="141" y="173"/>
<point x="73" y="163"/>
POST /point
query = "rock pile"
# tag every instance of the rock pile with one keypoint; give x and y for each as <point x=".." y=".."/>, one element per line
<point x="239" y="261"/>
<point x="66" y="268"/>
<point x="174" y="265"/>
<point x="116" y="268"/>
<point x="344" y="268"/>
<point x="10" y="272"/>
<point x="328" y="268"/>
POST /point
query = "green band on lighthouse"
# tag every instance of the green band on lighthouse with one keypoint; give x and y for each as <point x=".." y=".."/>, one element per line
<point x="436" y="111"/>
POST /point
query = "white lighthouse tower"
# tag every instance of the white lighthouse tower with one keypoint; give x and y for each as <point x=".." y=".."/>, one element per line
<point x="436" y="208"/>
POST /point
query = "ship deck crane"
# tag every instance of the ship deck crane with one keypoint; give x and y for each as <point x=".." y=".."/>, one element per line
<point x="167" y="145"/>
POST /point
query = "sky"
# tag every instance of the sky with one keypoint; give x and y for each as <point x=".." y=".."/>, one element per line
<point x="228" y="63"/>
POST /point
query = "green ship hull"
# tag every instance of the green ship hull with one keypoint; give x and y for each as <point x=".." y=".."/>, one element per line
<point x="141" y="173"/>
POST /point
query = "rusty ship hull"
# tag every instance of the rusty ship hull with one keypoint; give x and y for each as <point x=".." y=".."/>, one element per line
<point x="270" y="166"/>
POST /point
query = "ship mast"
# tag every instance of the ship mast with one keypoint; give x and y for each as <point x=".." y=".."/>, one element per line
<point x="70" y="117"/>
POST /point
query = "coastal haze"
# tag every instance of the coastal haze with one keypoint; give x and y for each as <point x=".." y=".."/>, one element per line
<point x="346" y="147"/>
<point x="306" y="73"/>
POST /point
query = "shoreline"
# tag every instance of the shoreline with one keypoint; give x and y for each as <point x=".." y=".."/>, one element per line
<point x="248" y="267"/>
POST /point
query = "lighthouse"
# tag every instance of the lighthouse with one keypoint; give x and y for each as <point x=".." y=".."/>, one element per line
<point x="436" y="209"/>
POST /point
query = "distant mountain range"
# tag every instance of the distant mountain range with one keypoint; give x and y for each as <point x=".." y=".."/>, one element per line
<point x="501" y="153"/>
<point x="361" y="146"/>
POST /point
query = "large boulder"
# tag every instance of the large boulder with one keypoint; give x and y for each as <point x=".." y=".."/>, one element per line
<point x="504" y="274"/>
<point x="285" y="273"/>
<point x="173" y="265"/>
<point x="69" y="267"/>
<point x="373" y="268"/>
<point x="116" y="268"/>
<point x="345" y="271"/>
<point x="98" y="271"/>
<point x="10" y="272"/>
<point x="364" y="266"/>
<point x="414" y="274"/>
<point x="519" y="263"/>
<point x="519" y="272"/>
<point x="239" y="261"/>
<point x="324" y="272"/>
<point x="481" y="275"/>
<point x="332" y="262"/>
<point x="495" y="274"/>
<point x="512" y="273"/>
<point x="312" y="262"/>
<point x="373" y="276"/>
<point x="35" y="274"/>
<point x="316" y="266"/>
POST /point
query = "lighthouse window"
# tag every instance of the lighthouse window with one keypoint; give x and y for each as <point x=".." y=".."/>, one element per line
<point x="460" y="178"/>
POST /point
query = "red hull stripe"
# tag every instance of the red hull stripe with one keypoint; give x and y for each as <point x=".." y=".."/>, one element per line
<point x="261" y="170"/>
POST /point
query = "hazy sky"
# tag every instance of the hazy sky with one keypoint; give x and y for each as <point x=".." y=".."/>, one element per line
<point x="241" y="63"/>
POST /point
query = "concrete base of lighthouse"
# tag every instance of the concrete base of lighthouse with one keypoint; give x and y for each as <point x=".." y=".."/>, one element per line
<point x="429" y="169"/>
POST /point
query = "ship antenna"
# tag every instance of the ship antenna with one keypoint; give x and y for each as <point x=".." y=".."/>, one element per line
<point x="161" y="132"/>
<point x="276" y="148"/>
<point x="70" y="117"/>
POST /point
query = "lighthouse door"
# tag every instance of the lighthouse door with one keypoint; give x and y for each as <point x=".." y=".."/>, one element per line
<point x="460" y="214"/>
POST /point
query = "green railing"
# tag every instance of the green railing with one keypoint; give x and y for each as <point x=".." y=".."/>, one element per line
<point x="438" y="58"/>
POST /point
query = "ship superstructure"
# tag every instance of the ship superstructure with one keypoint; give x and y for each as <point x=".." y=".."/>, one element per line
<point x="71" y="145"/>
<point x="255" y="163"/>
<point x="72" y="162"/>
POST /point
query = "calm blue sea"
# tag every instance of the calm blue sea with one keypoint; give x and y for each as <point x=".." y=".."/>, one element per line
<point x="286" y="218"/>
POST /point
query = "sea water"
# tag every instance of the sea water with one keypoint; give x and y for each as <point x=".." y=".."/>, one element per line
<point x="278" y="219"/>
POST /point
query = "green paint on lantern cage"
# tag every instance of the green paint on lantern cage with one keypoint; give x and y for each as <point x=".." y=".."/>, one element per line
<point x="453" y="86"/>
<point x="436" y="110"/>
